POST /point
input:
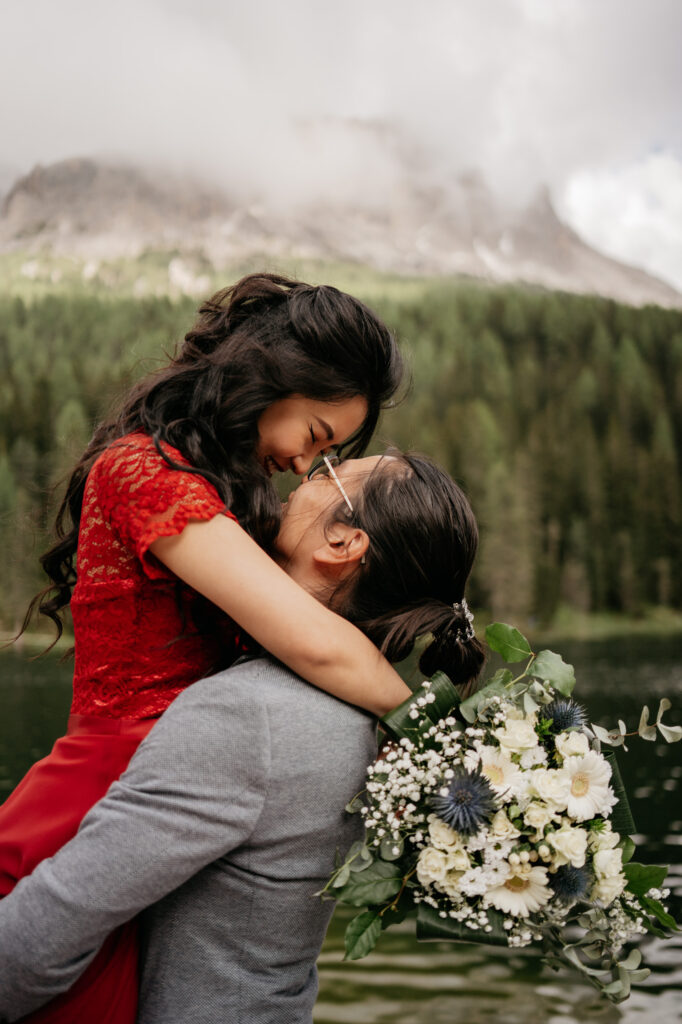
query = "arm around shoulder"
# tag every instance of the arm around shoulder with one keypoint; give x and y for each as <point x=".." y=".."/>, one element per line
<point x="220" y="560"/>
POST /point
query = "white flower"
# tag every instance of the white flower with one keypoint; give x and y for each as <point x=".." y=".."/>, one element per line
<point x="551" y="785"/>
<point x="570" y="844"/>
<point x="524" y="891"/>
<point x="572" y="743"/>
<point x="501" y="827"/>
<point x="605" y="839"/>
<point x="606" y="889"/>
<point x="500" y="771"/>
<point x="608" y="863"/>
<point x="517" y="734"/>
<point x="450" y="884"/>
<point x="432" y="865"/>
<point x="537" y="815"/>
<point x="442" y="836"/>
<point x="590" y="793"/>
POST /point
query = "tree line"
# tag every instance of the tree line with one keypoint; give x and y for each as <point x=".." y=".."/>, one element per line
<point x="560" y="415"/>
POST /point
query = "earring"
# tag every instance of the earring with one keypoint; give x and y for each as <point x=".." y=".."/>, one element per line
<point x="363" y="560"/>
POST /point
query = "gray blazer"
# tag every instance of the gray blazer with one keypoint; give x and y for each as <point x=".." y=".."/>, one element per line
<point x="229" y="814"/>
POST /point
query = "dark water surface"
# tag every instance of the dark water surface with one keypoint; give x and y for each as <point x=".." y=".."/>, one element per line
<point x="403" y="982"/>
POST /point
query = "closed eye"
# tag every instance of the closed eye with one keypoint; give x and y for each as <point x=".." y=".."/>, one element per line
<point x="312" y="434"/>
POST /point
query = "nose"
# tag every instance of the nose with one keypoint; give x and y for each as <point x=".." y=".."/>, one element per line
<point x="300" y="464"/>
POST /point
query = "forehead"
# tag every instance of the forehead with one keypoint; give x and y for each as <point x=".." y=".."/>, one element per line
<point x="358" y="468"/>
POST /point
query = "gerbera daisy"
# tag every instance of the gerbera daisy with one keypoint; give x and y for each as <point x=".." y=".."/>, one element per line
<point x="503" y="775"/>
<point x="590" y="793"/>
<point x="524" y="891"/>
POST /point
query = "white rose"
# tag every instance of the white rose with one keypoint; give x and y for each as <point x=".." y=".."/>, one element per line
<point x="459" y="858"/>
<point x="450" y="884"/>
<point x="608" y="863"/>
<point x="606" y="889"/>
<point x="517" y="735"/>
<point x="570" y="744"/>
<point x="442" y="836"/>
<point x="537" y="815"/>
<point x="502" y="828"/>
<point x="552" y="785"/>
<point x="570" y="844"/>
<point x="432" y="865"/>
<point x="606" y="839"/>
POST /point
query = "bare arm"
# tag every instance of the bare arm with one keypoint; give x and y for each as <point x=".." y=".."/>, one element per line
<point x="219" y="560"/>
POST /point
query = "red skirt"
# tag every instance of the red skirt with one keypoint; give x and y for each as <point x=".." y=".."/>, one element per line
<point x="39" y="817"/>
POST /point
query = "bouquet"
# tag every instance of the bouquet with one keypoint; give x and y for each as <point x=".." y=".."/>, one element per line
<point x="500" y="819"/>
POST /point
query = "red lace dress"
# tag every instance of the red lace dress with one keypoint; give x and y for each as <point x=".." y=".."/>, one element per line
<point x="141" y="637"/>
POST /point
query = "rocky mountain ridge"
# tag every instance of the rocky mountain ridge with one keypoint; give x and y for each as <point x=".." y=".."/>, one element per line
<point x="96" y="210"/>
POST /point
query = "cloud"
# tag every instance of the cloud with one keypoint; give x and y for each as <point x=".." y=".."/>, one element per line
<point x="260" y="96"/>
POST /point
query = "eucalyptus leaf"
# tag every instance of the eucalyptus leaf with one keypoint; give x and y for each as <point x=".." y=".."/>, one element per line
<point x="552" y="668"/>
<point x="391" y="849"/>
<point x="342" y="877"/>
<point x="361" y="935"/>
<point x="632" y="960"/>
<point x="646" y="731"/>
<point x="373" y="886"/>
<point x="468" y="709"/>
<point x="612" y="737"/>
<point x="507" y="641"/>
<point x="670" y="733"/>
<point x="529" y="705"/>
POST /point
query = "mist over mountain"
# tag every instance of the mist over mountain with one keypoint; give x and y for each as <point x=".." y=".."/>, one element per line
<point x="96" y="210"/>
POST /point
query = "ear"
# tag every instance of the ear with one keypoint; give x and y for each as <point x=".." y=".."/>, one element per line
<point x="344" y="548"/>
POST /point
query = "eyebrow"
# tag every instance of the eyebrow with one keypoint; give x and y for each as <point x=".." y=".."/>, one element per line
<point x="325" y="426"/>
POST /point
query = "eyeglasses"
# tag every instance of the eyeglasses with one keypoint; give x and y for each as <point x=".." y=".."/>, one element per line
<point x="326" y="469"/>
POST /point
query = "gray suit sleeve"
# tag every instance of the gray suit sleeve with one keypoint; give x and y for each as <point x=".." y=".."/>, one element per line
<point x="193" y="791"/>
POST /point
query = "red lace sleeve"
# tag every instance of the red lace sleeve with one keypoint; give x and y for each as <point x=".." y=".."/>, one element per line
<point x="143" y="498"/>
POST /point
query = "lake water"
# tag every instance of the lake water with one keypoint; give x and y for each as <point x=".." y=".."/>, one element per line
<point x="403" y="982"/>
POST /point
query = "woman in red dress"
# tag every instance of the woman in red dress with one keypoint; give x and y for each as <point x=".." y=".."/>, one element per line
<point x="162" y="555"/>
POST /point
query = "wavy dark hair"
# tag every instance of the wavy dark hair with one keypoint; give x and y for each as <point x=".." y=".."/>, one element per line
<point x="261" y="340"/>
<point x="423" y="539"/>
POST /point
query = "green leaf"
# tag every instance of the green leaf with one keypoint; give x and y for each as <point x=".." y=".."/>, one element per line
<point x="408" y="669"/>
<point x="659" y="912"/>
<point x="391" y="848"/>
<point x="621" y="816"/>
<point x="552" y="669"/>
<point x="375" y="885"/>
<point x="342" y="877"/>
<point x="508" y="642"/>
<point x="642" y="877"/>
<point x="628" y="848"/>
<point x="432" y="928"/>
<point x="362" y="935"/>
<point x="468" y="709"/>
<point x="398" y="721"/>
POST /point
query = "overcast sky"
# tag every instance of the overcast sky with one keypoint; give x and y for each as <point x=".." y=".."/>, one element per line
<point x="583" y="95"/>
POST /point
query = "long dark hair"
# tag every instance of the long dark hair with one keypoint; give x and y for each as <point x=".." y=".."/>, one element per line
<point x="263" y="339"/>
<point x="423" y="539"/>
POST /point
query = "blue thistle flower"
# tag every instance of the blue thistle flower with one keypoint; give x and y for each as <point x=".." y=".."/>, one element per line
<point x="564" y="714"/>
<point x="571" y="884"/>
<point x="469" y="803"/>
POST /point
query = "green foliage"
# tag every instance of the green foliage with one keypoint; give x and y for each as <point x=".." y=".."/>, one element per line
<point x="561" y="416"/>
